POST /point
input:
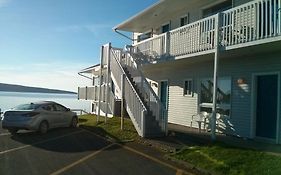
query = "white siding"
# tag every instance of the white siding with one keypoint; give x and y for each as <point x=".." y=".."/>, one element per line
<point x="181" y="108"/>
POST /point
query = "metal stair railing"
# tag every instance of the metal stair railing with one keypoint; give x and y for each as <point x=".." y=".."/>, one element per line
<point x="150" y="97"/>
<point x="133" y="103"/>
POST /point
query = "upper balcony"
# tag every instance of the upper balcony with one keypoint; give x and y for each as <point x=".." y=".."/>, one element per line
<point x="250" y="24"/>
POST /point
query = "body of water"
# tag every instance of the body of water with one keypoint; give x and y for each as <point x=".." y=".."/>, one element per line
<point x="11" y="99"/>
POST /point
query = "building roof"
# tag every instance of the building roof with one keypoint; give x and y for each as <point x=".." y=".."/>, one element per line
<point x="155" y="15"/>
<point x="90" y="69"/>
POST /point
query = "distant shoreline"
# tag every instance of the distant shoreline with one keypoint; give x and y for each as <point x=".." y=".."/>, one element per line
<point x="61" y="93"/>
<point x="26" y="89"/>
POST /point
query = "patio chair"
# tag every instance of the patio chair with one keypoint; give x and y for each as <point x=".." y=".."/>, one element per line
<point x="209" y="119"/>
<point x="200" y="118"/>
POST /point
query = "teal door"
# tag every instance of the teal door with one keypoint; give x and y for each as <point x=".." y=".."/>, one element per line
<point x="266" y="106"/>
<point x="164" y="93"/>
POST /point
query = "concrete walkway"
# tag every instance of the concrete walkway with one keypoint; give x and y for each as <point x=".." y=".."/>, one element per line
<point x="184" y="136"/>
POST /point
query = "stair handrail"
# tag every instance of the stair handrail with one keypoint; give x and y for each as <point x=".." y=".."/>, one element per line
<point x="121" y="68"/>
<point x="162" y="108"/>
<point x="136" y="108"/>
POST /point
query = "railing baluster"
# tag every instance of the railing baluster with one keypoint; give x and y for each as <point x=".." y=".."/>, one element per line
<point x="274" y="16"/>
<point x="279" y="17"/>
<point x="270" y="18"/>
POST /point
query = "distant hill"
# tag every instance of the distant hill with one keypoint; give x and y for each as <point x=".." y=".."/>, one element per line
<point x="19" y="88"/>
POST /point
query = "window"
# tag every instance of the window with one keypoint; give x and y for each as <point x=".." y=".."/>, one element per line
<point x="188" y="88"/>
<point x="223" y="96"/>
<point x="165" y="28"/>
<point x="217" y="8"/>
<point x="59" y="107"/>
<point x="144" y="36"/>
<point x="48" y="108"/>
<point x="184" y="20"/>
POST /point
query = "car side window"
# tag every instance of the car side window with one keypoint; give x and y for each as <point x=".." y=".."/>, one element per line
<point x="60" y="108"/>
<point x="48" y="108"/>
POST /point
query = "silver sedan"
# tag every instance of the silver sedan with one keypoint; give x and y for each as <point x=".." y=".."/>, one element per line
<point x="38" y="116"/>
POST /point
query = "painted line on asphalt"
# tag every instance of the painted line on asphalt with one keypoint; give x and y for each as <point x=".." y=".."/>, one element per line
<point x="154" y="159"/>
<point x="178" y="170"/>
<point x="36" y="143"/>
<point x="62" y="170"/>
<point x="5" y="134"/>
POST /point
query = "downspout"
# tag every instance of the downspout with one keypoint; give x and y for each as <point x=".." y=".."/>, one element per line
<point x="215" y="80"/>
<point x="79" y="73"/>
<point x="115" y="30"/>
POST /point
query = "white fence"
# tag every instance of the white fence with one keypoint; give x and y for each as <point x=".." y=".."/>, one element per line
<point x="133" y="103"/>
<point x="252" y="21"/>
<point x="256" y="20"/>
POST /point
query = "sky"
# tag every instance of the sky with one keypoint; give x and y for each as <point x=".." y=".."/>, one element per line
<point x="44" y="43"/>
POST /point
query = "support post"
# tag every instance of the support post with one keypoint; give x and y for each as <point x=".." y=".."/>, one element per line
<point x="101" y="80"/>
<point x="215" y="80"/>
<point x="122" y="100"/>
<point x="167" y="44"/>
<point x="107" y="81"/>
<point x="78" y="96"/>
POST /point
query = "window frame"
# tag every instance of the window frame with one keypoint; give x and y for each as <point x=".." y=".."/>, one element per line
<point x="191" y="90"/>
<point x="219" y="106"/>
<point x="187" y="19"/>
<point x="165" y="24"/>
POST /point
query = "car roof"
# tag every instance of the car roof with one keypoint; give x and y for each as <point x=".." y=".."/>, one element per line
<point x="43" y="102"/>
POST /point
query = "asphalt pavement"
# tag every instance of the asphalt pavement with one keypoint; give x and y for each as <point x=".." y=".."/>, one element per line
<point x="75" y="151"/>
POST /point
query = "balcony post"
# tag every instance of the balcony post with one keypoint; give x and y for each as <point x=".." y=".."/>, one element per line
<point x="108" y="82"/>
<point x="167" y="44"/>
<point x="86" y="93"/>
<point x="122" y="100"/>
<point x="101" y="67"/>
<point x="78" y="96"/>
<point x="215" y="78"/>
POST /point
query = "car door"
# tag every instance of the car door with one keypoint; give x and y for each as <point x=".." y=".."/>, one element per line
<point x="50" y="114"/>
<point x="63" y="115"/>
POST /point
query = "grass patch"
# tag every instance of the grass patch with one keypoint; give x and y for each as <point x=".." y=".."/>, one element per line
<point x="111" y="128"/>
<point x="221" y="159"/>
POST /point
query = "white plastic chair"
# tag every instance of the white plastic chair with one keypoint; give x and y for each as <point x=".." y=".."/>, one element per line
<point x="200" y="118"/>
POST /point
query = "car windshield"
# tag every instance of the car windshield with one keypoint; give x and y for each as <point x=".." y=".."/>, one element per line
<point x="30" y="106"/>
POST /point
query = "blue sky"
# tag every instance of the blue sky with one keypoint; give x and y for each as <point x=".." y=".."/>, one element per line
<point x="46" y="42"/>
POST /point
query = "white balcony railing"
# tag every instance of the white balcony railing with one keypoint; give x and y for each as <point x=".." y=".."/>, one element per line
<point x="253" y="21"/>
<point x="88" y="93"/>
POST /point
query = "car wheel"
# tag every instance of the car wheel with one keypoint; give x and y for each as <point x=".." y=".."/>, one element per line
<point x="74" y="122"/>
<point x="13" y="131"/>
<point x="43" y="127"/>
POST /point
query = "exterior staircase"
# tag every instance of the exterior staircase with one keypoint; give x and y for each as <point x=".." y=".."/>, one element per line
<point x="144" y="107"/>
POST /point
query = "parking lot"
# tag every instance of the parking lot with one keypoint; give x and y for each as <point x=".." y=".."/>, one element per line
<point x="74" y="151"/>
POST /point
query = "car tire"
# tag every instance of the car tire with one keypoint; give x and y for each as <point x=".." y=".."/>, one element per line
<point x="43" y="127"/>
<point x="74" y="122"/>
<point x="13" y="131"/>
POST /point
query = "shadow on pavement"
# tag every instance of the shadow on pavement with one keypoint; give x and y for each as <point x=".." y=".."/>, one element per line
<point x="64" y="140"/>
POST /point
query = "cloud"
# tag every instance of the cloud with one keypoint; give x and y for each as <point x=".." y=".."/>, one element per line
<point x="54" y="75"/>
<point x="93" y="28"/>
<point x="4" y="3"/>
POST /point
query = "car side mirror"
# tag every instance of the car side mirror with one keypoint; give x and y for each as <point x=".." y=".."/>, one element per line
<point x="67" y="109"/>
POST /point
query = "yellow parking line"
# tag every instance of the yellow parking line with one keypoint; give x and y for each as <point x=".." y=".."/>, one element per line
<point x="5" y="134"/>
<point x="25" y="146"/>
<point x="178" y="171"/>
<point x="80" y="160"/>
